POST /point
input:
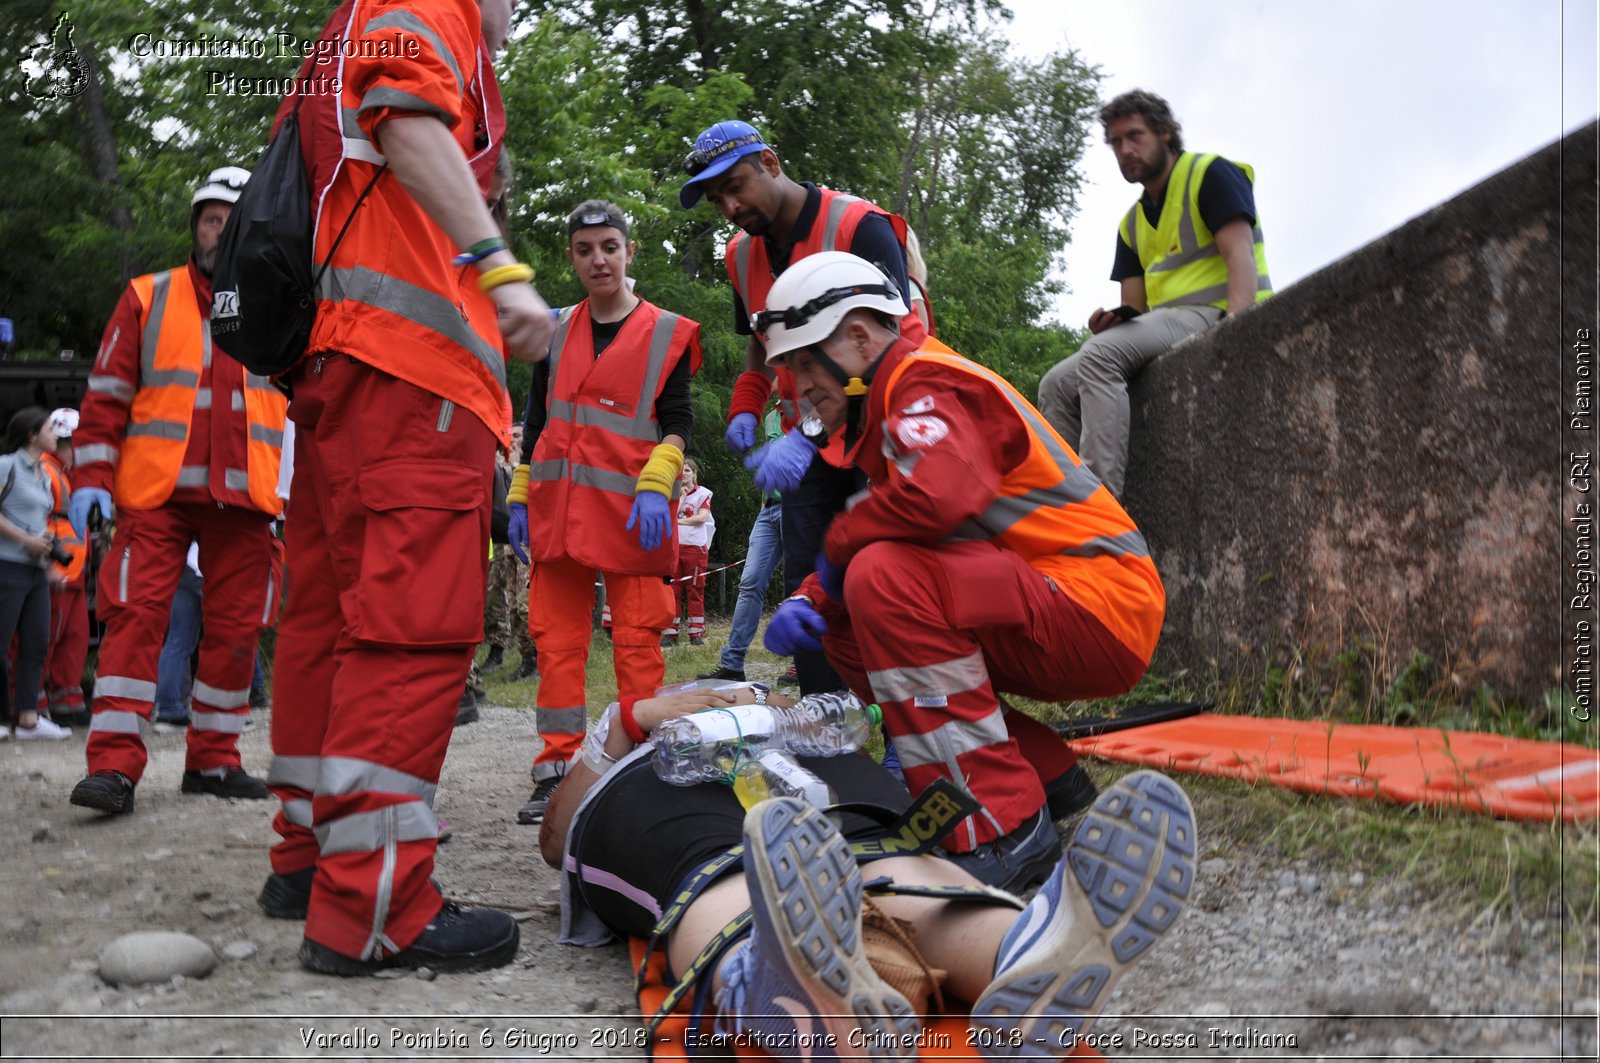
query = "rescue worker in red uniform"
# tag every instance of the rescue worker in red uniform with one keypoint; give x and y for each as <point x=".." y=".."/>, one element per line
<point x="984" y="558"/>
<point x="176" y="443"/>
<point x="781" y="222"/>
<point x="399" y="406"/>
<point x="61" y="694"/>
<point x="606" y="423"/>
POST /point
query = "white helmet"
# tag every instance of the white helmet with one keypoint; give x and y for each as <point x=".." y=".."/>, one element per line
<point x="811" y="297"/>
<point x="64" y="421"/>
<point x="223" y="184"/>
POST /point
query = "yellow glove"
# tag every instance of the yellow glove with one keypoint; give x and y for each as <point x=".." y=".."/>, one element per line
<point x="518" y="491"/>
<point x="660" y="473"/>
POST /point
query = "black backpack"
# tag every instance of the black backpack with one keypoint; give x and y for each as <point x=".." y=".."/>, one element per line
<point x="263" y="299"/>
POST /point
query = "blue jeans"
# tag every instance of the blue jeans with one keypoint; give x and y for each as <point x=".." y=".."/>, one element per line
<point x="760" y="561"/>
<point x="183" y="635"/>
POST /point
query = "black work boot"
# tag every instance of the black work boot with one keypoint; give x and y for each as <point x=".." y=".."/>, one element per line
<point x="467" y="711"/>
<point x="287" y="896"/>
<point x="533" y="810"/>
<point x="1070" y="793"/>
<point x="735" y="674"/>
<point x="458" y="939"/>
<point x="235" y="782"/>
<point x="110" y="792"/>
<point x="495" y="661"/>
<point x="527" y="668"/>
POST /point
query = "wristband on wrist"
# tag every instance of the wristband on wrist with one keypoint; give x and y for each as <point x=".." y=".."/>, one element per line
<point x="480" y="251"/>
<point x="518" y="491"/>
<point x="630" y="726"/>
<point x="515" y="273"/>
<point x="660" y="473"/>
<point x="750" y="394"/>
<point x="801" y="598"/>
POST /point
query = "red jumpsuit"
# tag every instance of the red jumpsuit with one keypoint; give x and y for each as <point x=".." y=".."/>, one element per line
<point x="984" y="558"/>
<point x="61" y="693"/>
<point x="222" y="467"/>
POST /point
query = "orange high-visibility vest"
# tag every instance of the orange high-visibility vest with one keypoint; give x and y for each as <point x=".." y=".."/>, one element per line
<point x="600" y="427"/>
<point x="173" y="351"/>
<point x="752" y="276"/>
<point x="1060" y="518"/>
<point x="60" y="526"/>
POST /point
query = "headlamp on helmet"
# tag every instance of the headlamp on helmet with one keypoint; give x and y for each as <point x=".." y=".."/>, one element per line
<point x="810" y="298"/>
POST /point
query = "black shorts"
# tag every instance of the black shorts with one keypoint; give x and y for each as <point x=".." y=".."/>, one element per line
<point x="640" y="837"/>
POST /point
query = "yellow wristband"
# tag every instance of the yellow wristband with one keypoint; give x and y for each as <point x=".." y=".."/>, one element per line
<point x="660" y="473"/>
<point x="518" y="491"/>
<point x="516" y="273"/>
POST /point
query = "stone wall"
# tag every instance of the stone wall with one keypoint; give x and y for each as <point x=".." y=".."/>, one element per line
<point x="1372" y="458"/>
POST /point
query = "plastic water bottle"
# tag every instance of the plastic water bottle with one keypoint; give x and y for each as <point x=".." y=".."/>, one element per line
<point x="775" y="773"/>
<point x="709" y="746"/>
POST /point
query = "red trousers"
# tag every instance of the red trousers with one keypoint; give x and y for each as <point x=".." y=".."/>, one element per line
<point x="931" y="633"/>
<point x="387" y="560"/>
<point x="62" y="689"/>
<point x="137" y="579"/>
<point x="559" y="607"/>
<point x="693" y="561"/>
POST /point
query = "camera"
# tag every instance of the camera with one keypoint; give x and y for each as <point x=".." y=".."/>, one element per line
<point x="59" y="554"/>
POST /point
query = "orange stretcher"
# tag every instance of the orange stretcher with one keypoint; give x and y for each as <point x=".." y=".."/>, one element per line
<point x="945" y="1037"/>
<point x="1512" y="778"/>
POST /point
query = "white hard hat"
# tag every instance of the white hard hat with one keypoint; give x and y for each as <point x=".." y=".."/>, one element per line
<point x="811" y="297"/>
<point x="223" y="184"/>
<point x="64" y="421"/>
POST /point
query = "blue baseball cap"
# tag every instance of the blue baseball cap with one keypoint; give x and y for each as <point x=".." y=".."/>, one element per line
<point x="716" y="149"/>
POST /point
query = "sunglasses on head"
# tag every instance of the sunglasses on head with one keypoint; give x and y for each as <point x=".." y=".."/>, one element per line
<point x="696" y="162"/>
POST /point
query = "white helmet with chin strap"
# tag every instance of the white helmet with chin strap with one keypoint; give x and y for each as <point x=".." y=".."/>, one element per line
<point x="811" y="297"/>
<point x="224" y="184"/>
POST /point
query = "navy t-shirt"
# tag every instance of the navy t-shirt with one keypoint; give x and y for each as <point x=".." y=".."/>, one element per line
<point x="874" y="240"/>
<point x="1225" y="194"/>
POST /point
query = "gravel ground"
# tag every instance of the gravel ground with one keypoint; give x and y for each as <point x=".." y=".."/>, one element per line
<point x="1296" y="962"/>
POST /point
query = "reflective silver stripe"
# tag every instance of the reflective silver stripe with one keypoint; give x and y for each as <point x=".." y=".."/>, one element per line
<point x="266" y="610"/>
<point x="347" y="775"/>
<point x="117" y="723"/>
<point x="121" y="686"/>
<point x="236" y="479"/>
<point x="356" y="144"/>
<point x="1131" y="228"/>
<point x="1004" y="513"/>
<point x="405" y="20"/>
<point x="618" y="483"/>
<point x="236" y="402"/>
<point x="202" y="399"/>
<point x="951" y="739"/>
<point x="158" y="429"/>
<point x="644" y="413"/>
<point x="548" y="470"/>
<point x="446" y="409"/>
<point x="194" y="476"/>
<point x="92" y="452"/>
<point x="116" y="387"/>
<point x="559" y="340"/>
<point x="298" y="772"/>
<point x="260" y="433"/>
<point x="1128" y="543"/>
<point x="383" y="96"/>
<point x="218" y="698"/>
<point x="365" y="831"/>
<point x="227" y="723"/>
<point x="927" y="680"/>
<point x="1187" y="242"/>
<point x="417" y="305"/>
<point x="559" y="721"/>
<point x="836" y="209"/>
<point x="161" y="284"/>
<point x="1183" y="258"/>
<point x="378" y="941"/>
<point x="1207" y="296"/>
<point x="297" y="810"/>
<point x="122" y="582"/>
<point x="260" y="383"/>
<point x="205" y="343"/>
<point x="741" y="267"/>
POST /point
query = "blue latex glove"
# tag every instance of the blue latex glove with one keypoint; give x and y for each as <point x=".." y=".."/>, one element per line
<point x="741" y="434"/>
<point x="781" y="463"/>
<point x="795" y="626"/>
<point x="83" y="500"/>
<point x="518" y="531"/>
<point x="831" y="576"/>
<point x="652" y="513"/>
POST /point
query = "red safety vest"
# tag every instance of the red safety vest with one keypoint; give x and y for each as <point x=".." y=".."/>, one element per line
<point x="600" y="427"/>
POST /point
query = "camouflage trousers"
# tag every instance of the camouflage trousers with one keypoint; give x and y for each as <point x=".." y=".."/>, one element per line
<point x="505" y="608"/>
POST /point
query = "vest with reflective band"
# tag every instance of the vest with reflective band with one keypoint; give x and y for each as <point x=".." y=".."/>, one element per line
<point x="391" y="297"/>
<point x="751" y="272"/>
<point x="1060" y="518"/>
<point x="600" y="427"/>
<point x="60" y="526"/>
<point x="174" y="348"/>
<point x="1182" y="265"/>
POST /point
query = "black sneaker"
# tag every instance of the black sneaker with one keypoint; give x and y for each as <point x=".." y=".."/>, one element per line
<point x="287" y="896"/>
<point x="697" y="640"/>
<point x="467" y="711"/>
<point x="533" y="811"/>
<point x="235" y="782"/>
<point x="458" y="939"/>
<point x="668" y="641"/>
<point x="494" y="661"/>
<point x="110" y="792"/>
<point x="735" y="674"/>
<point x="1021" y="859"/>
<point x="1070" y="793"/>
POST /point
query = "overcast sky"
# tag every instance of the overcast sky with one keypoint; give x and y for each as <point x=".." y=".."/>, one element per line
<point x="1356" y="114"/>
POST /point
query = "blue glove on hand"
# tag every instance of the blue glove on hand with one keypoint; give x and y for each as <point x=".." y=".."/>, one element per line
<point x="741" y="434"/>
<point x="781" y="463"/>
<point x="518" y="531"/>
<point x="653" y="515"/>
<point x="831" y="576"/>
<point x="83" y="500"/>
<point x="795" y="626"/>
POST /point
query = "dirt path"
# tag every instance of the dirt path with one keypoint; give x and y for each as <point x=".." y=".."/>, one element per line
<point x="1270" y="961"/>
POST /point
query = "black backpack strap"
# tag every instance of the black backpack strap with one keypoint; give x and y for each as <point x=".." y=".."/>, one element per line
<point x="11" y="480"/>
